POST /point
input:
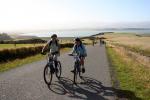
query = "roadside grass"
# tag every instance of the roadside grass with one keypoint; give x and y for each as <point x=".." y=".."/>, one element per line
<point x="11" y="46"/>
<point x="19" y="62"/>
<point x="132" y="76"/>
<point x="135" y="48"/>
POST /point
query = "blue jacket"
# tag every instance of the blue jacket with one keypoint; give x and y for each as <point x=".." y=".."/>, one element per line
<point x="79" y="50"/>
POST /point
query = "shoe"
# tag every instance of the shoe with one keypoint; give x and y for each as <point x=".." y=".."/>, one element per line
<point x="72" y="71"/>
<point x="83" y="70"/>
<point x="81" y="77"/>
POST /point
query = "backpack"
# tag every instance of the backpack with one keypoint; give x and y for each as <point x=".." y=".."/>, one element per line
<point x="55" y="42"/>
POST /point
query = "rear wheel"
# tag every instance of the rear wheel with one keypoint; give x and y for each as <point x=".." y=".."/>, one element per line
<point x="48" y="75"/>
<point x="58" y="70"/>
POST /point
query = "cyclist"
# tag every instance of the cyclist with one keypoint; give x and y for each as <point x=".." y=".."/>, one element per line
<point x="54" y="48"/>
<point x="79" y="48"/>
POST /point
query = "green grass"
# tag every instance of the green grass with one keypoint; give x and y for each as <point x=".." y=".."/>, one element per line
<point x="10" y="46"/>
<point x="19" y="62"/>
<point x="134" y="78"/>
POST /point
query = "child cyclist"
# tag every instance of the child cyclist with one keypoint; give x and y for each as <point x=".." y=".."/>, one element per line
<point x="54" y="47"/>
<point x="79" y="48"/>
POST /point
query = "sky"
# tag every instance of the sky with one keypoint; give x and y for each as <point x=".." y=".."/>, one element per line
<point x="33" y="15"/>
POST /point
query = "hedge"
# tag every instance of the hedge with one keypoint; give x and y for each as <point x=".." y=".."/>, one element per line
<point x="29" y="41"/>
<point x="11" y="54"/>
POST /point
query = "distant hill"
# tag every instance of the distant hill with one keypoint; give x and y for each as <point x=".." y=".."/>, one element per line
<point x="21" y="37"/>
<point x="4" y="36"/>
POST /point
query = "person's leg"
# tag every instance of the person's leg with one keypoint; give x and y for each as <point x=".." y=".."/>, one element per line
<point x="82" y="61"/>
<point x="82" y="64"/>
<point x="55" y="62"/>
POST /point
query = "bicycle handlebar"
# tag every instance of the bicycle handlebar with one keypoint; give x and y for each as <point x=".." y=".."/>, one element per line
<point x="73" y="54"/>
<point x="54" y="53"/>
<point x="43" y="53"/>
<point x="70" y="54"/>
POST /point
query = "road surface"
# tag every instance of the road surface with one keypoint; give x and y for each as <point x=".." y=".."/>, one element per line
<point x="26" y="82"/>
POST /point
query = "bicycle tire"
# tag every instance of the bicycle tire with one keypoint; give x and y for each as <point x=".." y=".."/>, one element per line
<point x="58" y="74"/>
<point x="47" y="71"/>
<point x="75" y="73"/>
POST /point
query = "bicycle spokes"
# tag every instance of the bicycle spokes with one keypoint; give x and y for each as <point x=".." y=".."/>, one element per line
<point x="58" y="70"/>
<point x="47" y="75"/>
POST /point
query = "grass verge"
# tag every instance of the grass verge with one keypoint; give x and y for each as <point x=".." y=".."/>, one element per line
<point x="20" y="62"/>
<point x="134" y="78"/>
<point x="137" y="49"/>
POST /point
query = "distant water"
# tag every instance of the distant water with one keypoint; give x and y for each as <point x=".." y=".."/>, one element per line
<point x="84" y="33"/>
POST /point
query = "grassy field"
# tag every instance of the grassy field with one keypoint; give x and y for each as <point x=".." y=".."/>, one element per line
<point x="133" y="75"/>
<point x="20" y="62"/>
<point x="131" y="41"/>
<point x="61" y="41"/>
<point x="86" y="41"/>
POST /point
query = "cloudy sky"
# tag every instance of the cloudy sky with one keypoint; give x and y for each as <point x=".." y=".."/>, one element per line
<point x="26" y="15"/>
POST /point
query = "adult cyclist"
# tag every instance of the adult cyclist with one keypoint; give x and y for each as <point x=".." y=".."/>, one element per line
<point x="54" y="48"/>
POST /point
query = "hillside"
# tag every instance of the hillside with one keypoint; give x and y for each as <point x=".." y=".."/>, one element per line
<point x="21" y="37"/>
<point x="4" y="36"/>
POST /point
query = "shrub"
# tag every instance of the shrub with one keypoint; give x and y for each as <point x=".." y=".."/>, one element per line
<point x="11" y="54"/>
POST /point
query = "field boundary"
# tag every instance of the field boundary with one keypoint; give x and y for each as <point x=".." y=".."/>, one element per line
<point x="23" y="52"/>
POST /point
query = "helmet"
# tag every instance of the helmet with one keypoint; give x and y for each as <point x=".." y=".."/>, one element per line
<point x="54" y="35"/>
<point x="77" y="39"/>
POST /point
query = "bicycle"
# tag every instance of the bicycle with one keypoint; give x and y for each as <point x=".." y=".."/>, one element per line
<point x="50" y="68"/>
<point x="77" y="67"/>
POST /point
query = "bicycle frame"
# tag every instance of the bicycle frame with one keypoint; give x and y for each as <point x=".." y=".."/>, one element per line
<point x="77" y="64"/>
<point x="76" y="67"/>
<point x="77" y="58"/>
<point x="50" y="59"/>
<point x="52" y="68"/>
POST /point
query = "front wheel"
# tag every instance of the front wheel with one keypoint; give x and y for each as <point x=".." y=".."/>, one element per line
<point x="58" y="70"/>
<point x="75" y="72"/>
<point x="48" y="75"/>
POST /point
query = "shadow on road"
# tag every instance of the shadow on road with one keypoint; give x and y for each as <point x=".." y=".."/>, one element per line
<point x="57" y="88"/>
<point x="89" y="89"/>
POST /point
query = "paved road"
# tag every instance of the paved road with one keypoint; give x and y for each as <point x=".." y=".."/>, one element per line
<point x="26" y="82"/>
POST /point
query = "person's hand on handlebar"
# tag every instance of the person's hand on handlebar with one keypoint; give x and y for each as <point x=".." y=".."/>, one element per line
<point x="43" y="53"/>
<point x="70" y="54"/>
